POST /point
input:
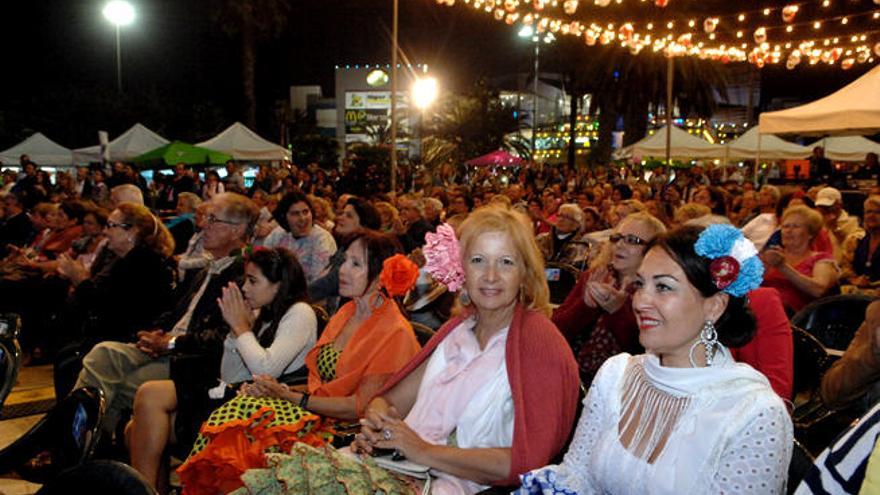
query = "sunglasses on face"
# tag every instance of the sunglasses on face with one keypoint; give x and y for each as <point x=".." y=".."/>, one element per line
<point x="632" y="240"/>
<point x="112" y="225"/>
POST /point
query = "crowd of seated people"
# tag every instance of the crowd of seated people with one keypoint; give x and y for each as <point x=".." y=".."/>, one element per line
<point x="191" y="304"/>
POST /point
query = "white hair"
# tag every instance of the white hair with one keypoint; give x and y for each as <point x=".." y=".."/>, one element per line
<point x="126" y="193"/>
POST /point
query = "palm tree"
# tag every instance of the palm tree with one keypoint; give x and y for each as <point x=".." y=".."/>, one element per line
<point x="468" y="126"/>
<point x="252" y="20"/>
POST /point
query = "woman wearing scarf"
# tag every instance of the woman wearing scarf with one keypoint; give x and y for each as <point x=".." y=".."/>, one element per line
<point x="684" y="417"/>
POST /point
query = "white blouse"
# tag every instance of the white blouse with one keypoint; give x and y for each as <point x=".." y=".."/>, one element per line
<point x="244" y="357"/>
<point x="734" y="435"/>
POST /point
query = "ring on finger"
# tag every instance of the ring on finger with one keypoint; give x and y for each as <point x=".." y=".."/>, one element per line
<point x="386" y="434"/>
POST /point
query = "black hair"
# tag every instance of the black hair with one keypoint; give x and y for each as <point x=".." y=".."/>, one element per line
<point x="719" y="197"/>
<point x="786" y="200"/>
<point x="289" y="199"/>
<point x="279" y="265"/>
<point x="367" y="214"/>
<point x="737" y="324"/>
<point x="75" y="210"/>
<point x="624" y="190"/>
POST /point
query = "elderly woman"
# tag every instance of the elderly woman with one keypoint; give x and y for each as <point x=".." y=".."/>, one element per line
<point x="800" y="274"/>
<point x="597" y="316"/>
<point x="365" y="342"/>
<point x="862" y="261"/>
<point x="684" y="417"/>
<point x="460" y="407"/>
<point x="563" y="243"/>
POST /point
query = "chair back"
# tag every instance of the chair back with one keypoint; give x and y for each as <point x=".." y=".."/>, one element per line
<point x="423" y="332"/>
<point x="561" y="279"/>
<point x="833" y="320"/>
<point x="99" y="476"/>
<point x="10" y="325"/>
<point x="66" y="436"/>
<point x="801" y="462"/>
<point x="322" y="316"/>
<point x="811" y="360"/>
<point x="10" y="364"/>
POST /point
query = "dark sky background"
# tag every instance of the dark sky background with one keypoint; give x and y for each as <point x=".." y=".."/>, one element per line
<point x="182" y="73"/>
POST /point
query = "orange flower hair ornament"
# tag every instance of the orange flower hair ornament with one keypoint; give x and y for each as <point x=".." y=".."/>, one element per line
<point x="399" y="275"/>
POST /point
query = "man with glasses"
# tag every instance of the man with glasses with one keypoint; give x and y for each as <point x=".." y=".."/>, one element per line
<point x="190" y="337"/>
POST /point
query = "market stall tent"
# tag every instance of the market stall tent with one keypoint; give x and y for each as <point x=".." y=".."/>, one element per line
<point x="852" y="110"/>
<point x="498" y="158"/>
<point x="40" y="149"/>
<point x="244" y="144"/>
<point x="136" y="141"/>
<point x="682" y="145"/>
<point x="770" y="147"/>
<point x="179" y="152"/>
<point x="847" y="148"/>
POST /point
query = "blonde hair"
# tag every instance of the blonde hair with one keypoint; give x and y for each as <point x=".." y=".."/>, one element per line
<point x="812" y="217"/>
<point x="690" y="211"/>
<point x="652" y="223"/>
<point x="535" y="294"/>
<point x="148" y="229"/>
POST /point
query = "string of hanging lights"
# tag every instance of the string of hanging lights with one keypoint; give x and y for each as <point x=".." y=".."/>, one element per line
<point x="807" y="31"/>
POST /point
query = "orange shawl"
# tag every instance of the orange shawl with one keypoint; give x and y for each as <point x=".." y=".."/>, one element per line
<point x="379" y="348"/>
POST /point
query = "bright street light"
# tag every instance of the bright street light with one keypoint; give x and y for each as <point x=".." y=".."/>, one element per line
<point x="424" y="92"/>
<point x="526" y="32"/>
<point x="119" y="13"/>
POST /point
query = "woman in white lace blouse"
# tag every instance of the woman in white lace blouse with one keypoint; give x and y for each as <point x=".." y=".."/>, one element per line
<point x="683" y="417"/>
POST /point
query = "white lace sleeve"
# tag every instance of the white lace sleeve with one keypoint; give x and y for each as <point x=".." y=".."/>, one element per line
<point x="757" y="461"/>
<point x="573" y="475"/>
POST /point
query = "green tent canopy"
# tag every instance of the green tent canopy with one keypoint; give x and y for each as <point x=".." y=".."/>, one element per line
<point x="179" y="152"/>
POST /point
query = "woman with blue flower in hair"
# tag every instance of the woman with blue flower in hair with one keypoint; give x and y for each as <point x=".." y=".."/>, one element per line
<point x="684" y="417"/>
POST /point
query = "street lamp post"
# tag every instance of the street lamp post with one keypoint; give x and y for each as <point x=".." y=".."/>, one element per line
<point x="528" y="32"/>
<point x="424" y="93"/>
<point x="119" y="13"/>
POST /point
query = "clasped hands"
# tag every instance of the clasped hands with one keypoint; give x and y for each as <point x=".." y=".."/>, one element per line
<point x="383" y="428"/>
<point x="599" y="292"/>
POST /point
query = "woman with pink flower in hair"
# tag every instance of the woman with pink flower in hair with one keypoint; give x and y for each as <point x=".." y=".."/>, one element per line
<point x="367" y="341"/>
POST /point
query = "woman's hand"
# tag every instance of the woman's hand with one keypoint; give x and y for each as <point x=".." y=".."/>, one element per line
<point x="606" y="296"/>
<point x="235" y="310"/>
<point x="397" y="435"/>
<point x="773" y="256"/>
<point x="72" y="269"/>
<point x="266" y="386"/>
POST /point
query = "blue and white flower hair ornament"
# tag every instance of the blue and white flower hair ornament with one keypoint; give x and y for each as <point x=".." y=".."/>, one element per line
<point x="735" y="268"/>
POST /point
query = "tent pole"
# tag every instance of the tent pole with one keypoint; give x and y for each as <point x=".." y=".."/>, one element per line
<point x="669" y="80"/>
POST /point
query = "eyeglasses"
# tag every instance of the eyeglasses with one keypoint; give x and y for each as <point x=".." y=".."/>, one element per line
<point x="112" y="225"/>
<point x="632" y="240"/>
<point x="211" y="220"/>
<point x="570" y="219"/>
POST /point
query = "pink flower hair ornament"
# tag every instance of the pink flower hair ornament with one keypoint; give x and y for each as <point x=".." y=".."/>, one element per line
<point x="443" y="257"/>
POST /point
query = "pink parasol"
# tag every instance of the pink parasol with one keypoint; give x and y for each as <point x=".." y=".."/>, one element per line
<point x="498" y="158"/>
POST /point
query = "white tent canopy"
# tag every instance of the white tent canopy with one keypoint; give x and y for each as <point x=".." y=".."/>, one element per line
<point x="682" y="145"/>
<point x="771" y="147"/>
<point x="847" y="148"/>
<point x="244" y="144"/>
<point x="136" y="141"/>
<point x="40" y="149"/>
<point x="854" y="109"/>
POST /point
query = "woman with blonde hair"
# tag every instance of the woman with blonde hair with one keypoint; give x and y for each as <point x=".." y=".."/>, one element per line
<point x="800" y="274"/>
<point x="597" y="316"/>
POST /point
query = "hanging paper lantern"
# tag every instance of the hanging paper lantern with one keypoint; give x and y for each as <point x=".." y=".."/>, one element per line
<point x="847" y="63"/>
<point x="788" y="12"/>
<point x="685" y="39"/>
<point x="570" y="6"/>
<point x="606" y="37"/>
<point x="542" y="24"/>
<point x="836" y="53"/>
<point x="794" y="58"/>
<point x="590" y="37"/>
<point x="511" y="18"/>
<point x="710" y="24"/>
<point x="510" y="5"/>
<point x="825" y="57"/>
<point x="538" y="4"/>
<point x="760" y="35"/>
<point x="760" y="63"/>
<point x="626" y="31"/>
<point x="635" y="48"/>
<point x="555" y="25"/>
<point x="661" y="3"/>
<point x="603" y="3"/>
<point x="789" y="65"/>
<point x="863" y="56"/>
<point x="528" y="19"/>
<point x="499" y="14"/>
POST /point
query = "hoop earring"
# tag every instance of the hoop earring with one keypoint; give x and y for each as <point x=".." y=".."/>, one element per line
<point x="709" y="340"/>
<point x="464" y="298"/>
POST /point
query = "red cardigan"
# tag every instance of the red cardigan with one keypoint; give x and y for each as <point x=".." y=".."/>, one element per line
<point x="771" y="351"/>
<point x="544" y="383"/>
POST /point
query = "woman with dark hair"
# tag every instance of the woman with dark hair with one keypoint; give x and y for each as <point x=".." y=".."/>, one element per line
<point x="272" y="343"/>
<point x="365" y="342"/>
<point x="357" y="214"/>
<point x="713" y="197"/>
<point x="297" y="231"/>
<point x="684" y="417"/>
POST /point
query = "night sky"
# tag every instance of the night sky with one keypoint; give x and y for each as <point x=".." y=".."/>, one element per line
<point x="59" y="61"/>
